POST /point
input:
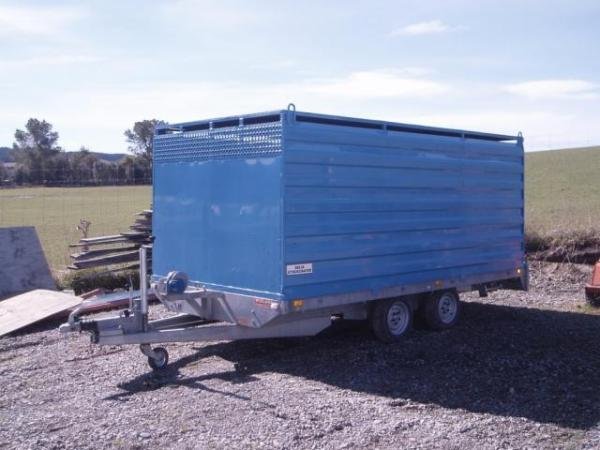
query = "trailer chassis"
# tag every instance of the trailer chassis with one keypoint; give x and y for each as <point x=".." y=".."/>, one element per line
<point x="203" y="314"/>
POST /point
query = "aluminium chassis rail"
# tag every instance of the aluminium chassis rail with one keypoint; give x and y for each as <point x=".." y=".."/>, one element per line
<point x="133" y="327"/>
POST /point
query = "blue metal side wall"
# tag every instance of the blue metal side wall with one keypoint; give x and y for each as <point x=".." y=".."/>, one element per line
<point x="217" y="208"/>
<point x="371" y="209"/>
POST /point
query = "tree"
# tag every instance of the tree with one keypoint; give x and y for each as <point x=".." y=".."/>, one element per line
<point x="126" y="170"/>
<point x="21" y="176"/>
<point x="35" y="147"/>
<point x="140" y="139"/>
<point x="3" y="174"/>
<point x="63" y="174"/>
<point x="83" y="166"/>
<point x="106" y="172"/>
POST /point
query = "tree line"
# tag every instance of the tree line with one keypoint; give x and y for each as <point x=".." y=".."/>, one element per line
<point x="41" y="161"/>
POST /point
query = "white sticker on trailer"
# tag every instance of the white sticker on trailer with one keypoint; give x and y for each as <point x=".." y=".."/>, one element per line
<point x="299" y="269"/>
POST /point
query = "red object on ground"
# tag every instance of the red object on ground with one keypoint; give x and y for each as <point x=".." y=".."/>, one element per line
<point x="592" y="290"/>
<point x="95" y="293"/>
<point x="98" y="300"/>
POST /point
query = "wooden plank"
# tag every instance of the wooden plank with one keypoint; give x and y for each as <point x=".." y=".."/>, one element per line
<point x="31" y="307"/>
<point x="143" y="228"/>
<point x="104" y="242"/>
<point x="119" y="269"/>
<point x="108" y="253"/>
<point x="101" y="252"/>
<point x="99" y="239"/>
<point x="113" y="270"/>
<point x="117" y="258"/>
<point x="134" y="234"/>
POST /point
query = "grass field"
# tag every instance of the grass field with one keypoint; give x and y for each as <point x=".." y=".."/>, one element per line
<point x="562" y="195"/>
<point x="562" y="190"/>
<point x="56" y="212"/>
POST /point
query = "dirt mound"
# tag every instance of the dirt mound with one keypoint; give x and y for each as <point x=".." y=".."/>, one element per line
<point x="580" y="247"/>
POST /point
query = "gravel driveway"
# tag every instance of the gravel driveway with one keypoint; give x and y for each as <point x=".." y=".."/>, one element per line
<point x="522" y="370"/>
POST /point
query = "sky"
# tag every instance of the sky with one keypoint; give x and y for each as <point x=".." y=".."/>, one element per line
<point x="93" y="68"/>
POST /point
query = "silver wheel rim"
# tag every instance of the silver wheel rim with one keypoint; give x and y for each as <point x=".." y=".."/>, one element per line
<point x="398" y="317"/>
<point x="447" y="308"/>
<point x="160" y="361"/>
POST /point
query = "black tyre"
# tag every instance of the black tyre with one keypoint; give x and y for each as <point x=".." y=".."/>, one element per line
<point x="442" y="310"/>
<point x="161" y="360"/>
<point x="391" y="319"/>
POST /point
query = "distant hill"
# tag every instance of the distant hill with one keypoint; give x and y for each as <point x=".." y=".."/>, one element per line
<point x="5" y="155"/>
<point x="111" y="157"/>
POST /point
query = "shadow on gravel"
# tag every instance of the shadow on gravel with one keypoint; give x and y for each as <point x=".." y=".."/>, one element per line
<point x="538" y="364"/>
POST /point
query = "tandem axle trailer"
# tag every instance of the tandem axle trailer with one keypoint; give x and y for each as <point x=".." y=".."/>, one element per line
<point x="274" y="224"/>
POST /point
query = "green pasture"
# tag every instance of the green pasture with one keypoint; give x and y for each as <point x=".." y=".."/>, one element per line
<point x="56" y="212"/>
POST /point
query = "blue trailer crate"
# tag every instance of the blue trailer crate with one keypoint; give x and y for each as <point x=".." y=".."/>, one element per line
<point x="274" y="223"/>
<point x="292" y="205"/>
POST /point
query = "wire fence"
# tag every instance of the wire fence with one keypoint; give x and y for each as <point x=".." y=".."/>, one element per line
<point x="15" y="174"/>
<point x="56" y="211"/>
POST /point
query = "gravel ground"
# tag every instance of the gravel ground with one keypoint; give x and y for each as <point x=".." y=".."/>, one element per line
<point x="521" y="370"/>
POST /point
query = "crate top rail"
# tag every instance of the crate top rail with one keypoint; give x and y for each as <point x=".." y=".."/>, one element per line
<point x="326" y="119"/>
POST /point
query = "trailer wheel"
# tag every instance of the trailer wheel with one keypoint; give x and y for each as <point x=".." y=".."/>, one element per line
<point x="442" y="310"/>
<point x="391" y="319"/>
<point x="160" y="361"/>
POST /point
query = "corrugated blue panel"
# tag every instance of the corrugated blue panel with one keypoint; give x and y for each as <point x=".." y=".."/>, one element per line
<point x="330" y="199"/>
<point x="390" y="177"/>
<point x="358" y="245"/>
<point x="371" y="209"/>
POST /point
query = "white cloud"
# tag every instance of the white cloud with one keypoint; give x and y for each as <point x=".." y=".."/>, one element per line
<point x="378" y="84"/>
<point x="420" y="28"/>
<point x="282" y="64"/>
<point x="199" y="14"/>
<point x="555" y="89"/>
<point x="23" y="20"/>
<point x="274" y="64"/>
<point x="55" y="60"/>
